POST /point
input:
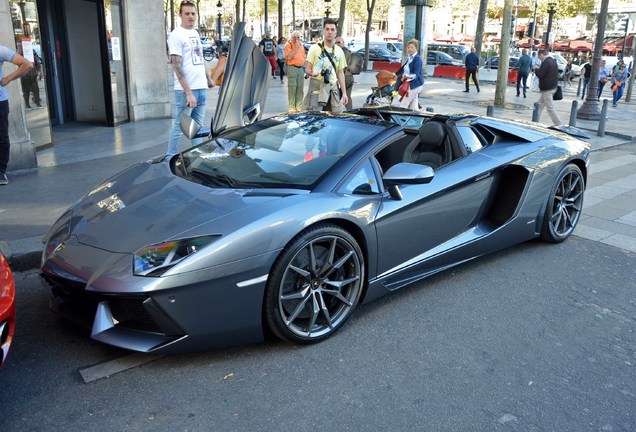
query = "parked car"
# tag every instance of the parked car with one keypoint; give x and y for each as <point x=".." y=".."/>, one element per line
<point x="440" y="58"/>
<point x="7" y="308"/>
<point x="458" y="52"/>
<point x="493" y="62"/>
<point x="380" y="54"/>
<point x="285" y="225"/>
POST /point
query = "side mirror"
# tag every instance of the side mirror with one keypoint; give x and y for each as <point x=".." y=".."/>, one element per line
<point x="189" y="127"/>
<point x="406" y="173"/>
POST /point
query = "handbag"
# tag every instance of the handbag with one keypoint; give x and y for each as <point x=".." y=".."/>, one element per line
<point x="558" y="94"/>
<point x="403" y="90"/>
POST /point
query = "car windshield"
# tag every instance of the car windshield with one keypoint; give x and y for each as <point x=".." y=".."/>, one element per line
<point x="284" y="151"/>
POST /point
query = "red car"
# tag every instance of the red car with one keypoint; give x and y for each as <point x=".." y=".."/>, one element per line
<point x="7" y="308"/>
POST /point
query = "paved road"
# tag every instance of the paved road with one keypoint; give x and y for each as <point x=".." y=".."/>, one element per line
<point x="535" y="338"/>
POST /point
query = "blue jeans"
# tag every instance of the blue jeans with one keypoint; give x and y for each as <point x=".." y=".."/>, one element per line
<point x="586" y="83"/>
<point x="617" y="95"/>
<point x="198" y="114"/>
<point x="4" y="136"/>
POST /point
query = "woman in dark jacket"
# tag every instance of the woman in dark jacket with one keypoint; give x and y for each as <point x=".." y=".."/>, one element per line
<point x="413" y="74"/>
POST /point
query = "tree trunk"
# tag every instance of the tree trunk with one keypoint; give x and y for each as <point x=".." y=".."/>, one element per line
<point x="237" y="10"/>
<point x="481" y="23"/>
<point x="280" y="19"/>
<point x="293" y="15"/>
<point x="370" y="8"/>
<point x="341" y="16"/>
<point x="504" y="55"/>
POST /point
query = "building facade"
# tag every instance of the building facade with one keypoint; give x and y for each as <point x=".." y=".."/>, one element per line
<point x="103" y="62"/>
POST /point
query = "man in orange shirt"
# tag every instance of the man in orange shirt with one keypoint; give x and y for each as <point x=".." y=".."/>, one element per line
<point x="295" y="56"/>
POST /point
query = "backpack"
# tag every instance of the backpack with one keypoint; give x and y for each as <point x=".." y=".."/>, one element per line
<point x="355" y="66"/>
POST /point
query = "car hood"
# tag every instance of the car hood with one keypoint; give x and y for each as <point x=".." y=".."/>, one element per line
<point x="147" y="204"/>
<point x="245" y="84"/>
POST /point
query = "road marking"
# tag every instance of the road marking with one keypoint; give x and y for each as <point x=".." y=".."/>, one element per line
<point x="111" y="367"/>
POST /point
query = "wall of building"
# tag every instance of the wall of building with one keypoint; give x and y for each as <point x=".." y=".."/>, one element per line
<point x="147" y="59"/>
<point x="22" y="151"/>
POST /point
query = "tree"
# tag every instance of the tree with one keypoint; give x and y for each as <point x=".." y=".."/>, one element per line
<point x="341" y="16"/>
<point x="370" y="7"/>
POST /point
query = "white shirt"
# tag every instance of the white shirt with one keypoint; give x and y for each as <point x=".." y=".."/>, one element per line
<point x="187" y="44"/>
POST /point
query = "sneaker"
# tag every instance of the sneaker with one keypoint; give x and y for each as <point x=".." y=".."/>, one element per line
<point x="614" y="105"/>
<point x="466" y="91"/>
<point x="517" y="94"/>
<point x="477" y="89"/>
<point x="39" y="106"/>
<point x="28" y="108"/>
<point x="3" y="180"/>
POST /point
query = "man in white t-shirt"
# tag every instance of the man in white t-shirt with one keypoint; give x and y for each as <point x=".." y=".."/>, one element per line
<point x="191" y="81"/>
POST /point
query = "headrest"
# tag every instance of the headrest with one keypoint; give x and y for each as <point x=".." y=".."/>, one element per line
<point x="432" y="134"/>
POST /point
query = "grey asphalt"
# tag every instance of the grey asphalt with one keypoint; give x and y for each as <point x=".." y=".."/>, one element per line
<point x="84" y="155"/>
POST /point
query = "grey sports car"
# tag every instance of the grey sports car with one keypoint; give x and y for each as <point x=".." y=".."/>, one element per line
<point x="282" y="226"/>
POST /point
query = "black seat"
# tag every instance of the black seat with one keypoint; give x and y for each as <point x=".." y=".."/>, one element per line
<point x="429" y="147"/>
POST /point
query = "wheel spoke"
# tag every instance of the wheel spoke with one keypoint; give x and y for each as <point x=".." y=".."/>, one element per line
<point x="339" y="263"/>
<point x="337" y="294"/>
<point x="304" y="273"/>
<point x="314" y="315"/>
<point x="297" y="311"/>
<point x="296" y="295"/>
<point x="325" y="311"/>
<point x="312" y="257"/>
<point x="331" y="257"/>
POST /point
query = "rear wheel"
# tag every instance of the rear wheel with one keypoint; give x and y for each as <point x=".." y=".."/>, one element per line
<point x="564" y="205"/>
<point x="314" y="285"/>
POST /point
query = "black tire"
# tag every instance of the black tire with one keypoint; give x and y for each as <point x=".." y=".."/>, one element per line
<point x="315" y="284"/>
<point x="564" y="205"/>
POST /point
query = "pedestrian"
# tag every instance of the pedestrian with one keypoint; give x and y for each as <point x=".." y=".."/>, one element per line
<point x="603" y="78"/>
<point x="548" y="75"/>
<point x="348" y="74"/>
<point x="325" y="66"/>
<point x="268" y="49"/>
<point x="413" y="74"/>
<point x="523" y="69"/>
<point x="217" y="72"/>
<point x="567" y="74"/>
<point x="24" y="66"/>
<point x="472" y="65"/>
<point x="536" y="63"/>
<point x="30" y="84"/>
<point x="190" y="78"/>
<point x="587" y="73"/>
<point x="295" y="56"/>
<point x="619" y="79"/>
<point x="280" y="57"/>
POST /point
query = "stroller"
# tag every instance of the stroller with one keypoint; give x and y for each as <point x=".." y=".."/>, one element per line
<point x="387" y="87"/>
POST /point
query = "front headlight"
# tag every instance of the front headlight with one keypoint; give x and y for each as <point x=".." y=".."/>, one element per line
<point x="154" y="260"/>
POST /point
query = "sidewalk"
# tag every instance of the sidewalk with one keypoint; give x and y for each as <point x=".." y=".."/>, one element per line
<point x="84" y="155"/>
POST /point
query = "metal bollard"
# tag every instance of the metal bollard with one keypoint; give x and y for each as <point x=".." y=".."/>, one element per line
<point x="430" y="109"/>
<point x="575" y="106"/>
<point x="490" y="110"/>
<point x="578" y="90"/>
<point x="603" y="120"/>
<point x="535" y="112"/>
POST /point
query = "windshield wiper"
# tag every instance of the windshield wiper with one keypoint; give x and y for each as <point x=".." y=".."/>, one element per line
<point x="221" y="179"/>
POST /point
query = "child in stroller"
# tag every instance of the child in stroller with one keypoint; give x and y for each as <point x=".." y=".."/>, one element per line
<point x="386" y="89"/>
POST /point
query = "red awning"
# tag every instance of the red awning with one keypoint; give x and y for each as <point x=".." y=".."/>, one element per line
<point x="580" y="45"/>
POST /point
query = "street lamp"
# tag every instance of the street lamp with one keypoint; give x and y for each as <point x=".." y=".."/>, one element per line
<point x="551" y="12"/>
<point x="327" y="6"/>
<point x="219" y="10"/>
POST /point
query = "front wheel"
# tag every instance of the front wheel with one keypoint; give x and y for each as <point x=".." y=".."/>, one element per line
<point x="564" y="205"/>
<point x="314" y="285"/>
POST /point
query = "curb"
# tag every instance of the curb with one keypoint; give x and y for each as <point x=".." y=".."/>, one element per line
<point x="22" y="254"/>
